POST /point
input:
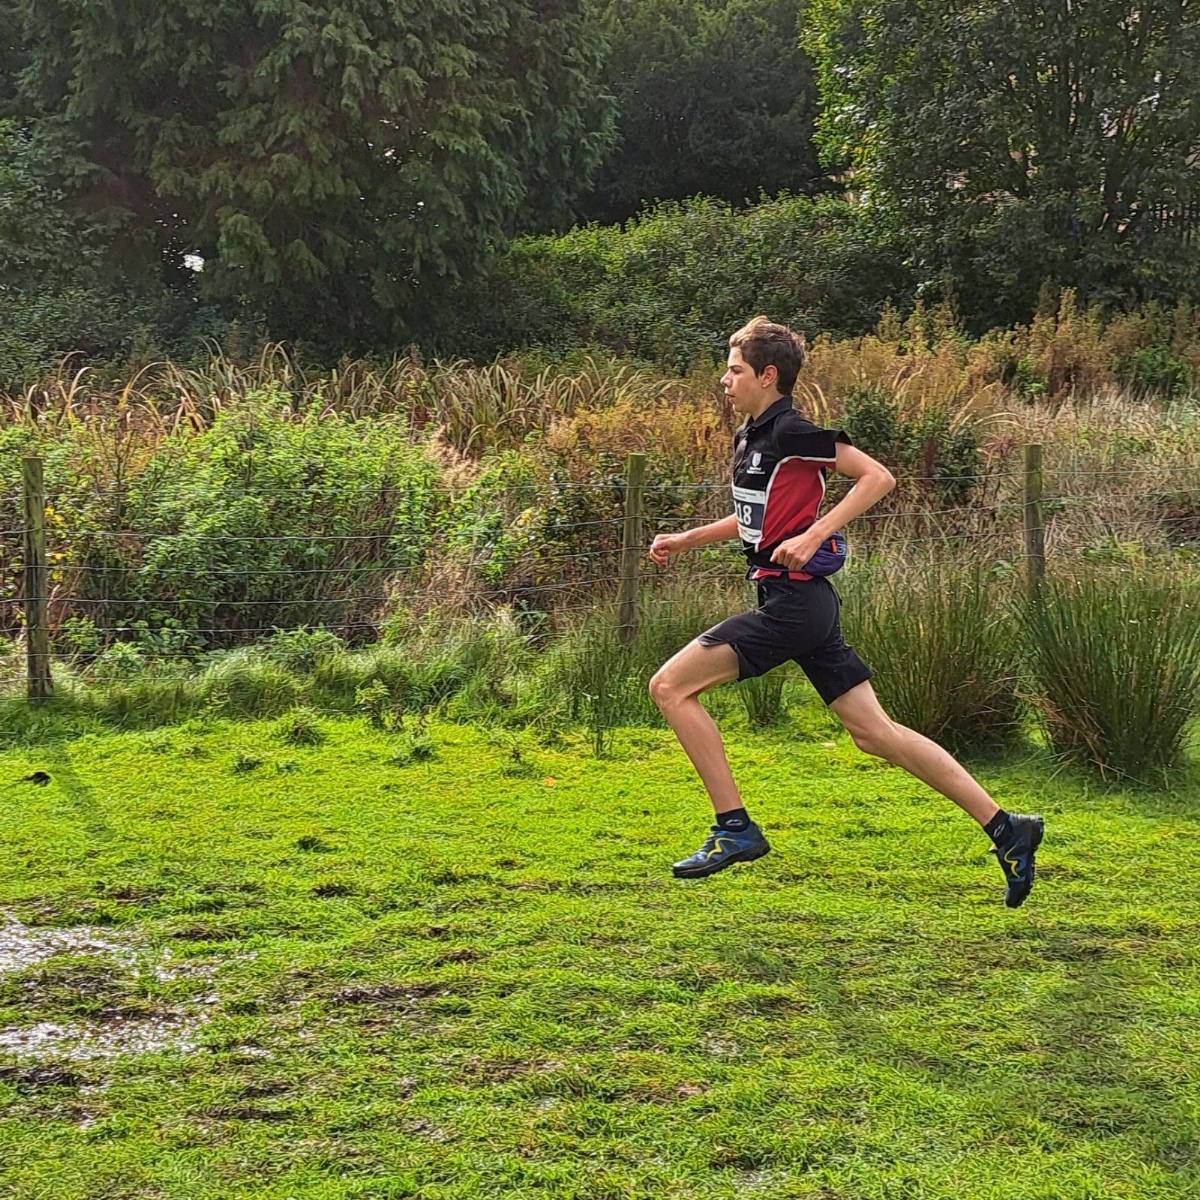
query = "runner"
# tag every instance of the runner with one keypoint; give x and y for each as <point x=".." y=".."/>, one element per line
<point x="779" y="465"/>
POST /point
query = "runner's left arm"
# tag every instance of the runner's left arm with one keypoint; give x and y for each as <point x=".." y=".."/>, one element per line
<point x="872" y="481"/>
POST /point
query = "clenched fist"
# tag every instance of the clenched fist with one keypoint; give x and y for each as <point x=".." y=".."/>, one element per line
<point x="666" y="544"/>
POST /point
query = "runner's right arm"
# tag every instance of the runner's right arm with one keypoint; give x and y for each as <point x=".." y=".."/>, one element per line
<point x="666" y="544"/>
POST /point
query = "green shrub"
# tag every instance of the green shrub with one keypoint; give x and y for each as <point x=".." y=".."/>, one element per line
<point x="122" y="660"/>
<point x="58" y="295"/>
<point x="1156" y="370"/>
<point x="762" y="698"/>
<point x="875" y="419"/>
<point x="1115" y="660"/>
<point x="944" y="646"/>
<point x="374" y="701"/>
<point x="670" y="285"/>
<point x="303" y="651"/>
<point x="262" y="521"/>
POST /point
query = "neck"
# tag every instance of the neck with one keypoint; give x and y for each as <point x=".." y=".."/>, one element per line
<point x="763" y="405"/>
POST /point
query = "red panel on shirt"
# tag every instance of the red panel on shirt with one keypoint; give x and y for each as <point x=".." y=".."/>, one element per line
<point x="793" y="498"/>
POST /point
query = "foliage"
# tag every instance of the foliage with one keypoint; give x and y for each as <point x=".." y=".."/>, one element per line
<point x="41" y="241"/>
<point x="201" y="507"/>
<point x="260" y="521"/>
<point x="945" y="648"/>
<point x="695" y="117"/>
<point x="331" y="163"/>
<point x="675" y="282"/>
<point x="57" y="294"/>
<point x="1115" y="658"/>
<point x="300" y="728"/>
<point x="931" y="447"/>
<point x="1020" y="143"/>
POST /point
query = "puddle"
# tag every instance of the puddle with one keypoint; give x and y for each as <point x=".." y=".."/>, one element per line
<point x="174" y="1030"/>
<point x="24" y="946"/>
<point x="108" y="1039"/>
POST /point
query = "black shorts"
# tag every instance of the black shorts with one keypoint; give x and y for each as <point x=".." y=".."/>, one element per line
<point x="795" y="620"/>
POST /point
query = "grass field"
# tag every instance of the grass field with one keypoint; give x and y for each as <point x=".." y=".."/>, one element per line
<point x="235" y="967"/>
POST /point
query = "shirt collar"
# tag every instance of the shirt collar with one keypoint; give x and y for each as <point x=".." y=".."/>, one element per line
<point x="782" y="405"/>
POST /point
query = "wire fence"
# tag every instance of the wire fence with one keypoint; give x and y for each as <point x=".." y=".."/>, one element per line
<point x="88" y="566"/>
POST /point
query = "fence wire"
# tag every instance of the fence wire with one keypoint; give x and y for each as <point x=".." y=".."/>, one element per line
<point x="551" y="550"/>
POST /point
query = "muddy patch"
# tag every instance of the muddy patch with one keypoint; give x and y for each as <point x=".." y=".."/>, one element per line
<point x="23" y="946"/>
<point x="93" y="990"/>
<point x="36" y="1079"/>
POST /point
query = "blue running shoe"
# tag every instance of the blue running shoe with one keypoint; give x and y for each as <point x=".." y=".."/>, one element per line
<point x="722" y="848"/>
<point x="1016" y="857"/>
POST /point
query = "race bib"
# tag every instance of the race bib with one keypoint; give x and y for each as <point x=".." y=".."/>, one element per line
<point x="750" y="507"/>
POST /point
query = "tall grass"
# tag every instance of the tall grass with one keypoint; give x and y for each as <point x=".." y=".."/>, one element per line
<point x="945" y="648"/>
<point x="762" y="698"/>
<point x="589" y="674"/>
<point x="1111" y="666"/>
<point x="1115" y="660"/>
<point x="217" y="502"/>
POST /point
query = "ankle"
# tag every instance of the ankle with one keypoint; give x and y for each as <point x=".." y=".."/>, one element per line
<point x="998" y="828"/>
<point x="736" y="820"/>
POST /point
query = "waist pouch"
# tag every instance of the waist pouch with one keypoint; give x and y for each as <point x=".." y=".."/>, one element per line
<point x="829" y="558"/>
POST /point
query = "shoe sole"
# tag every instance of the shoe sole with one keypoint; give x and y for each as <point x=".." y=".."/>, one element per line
<point x="1038" y="833"/>
<point x="742" y="856"/>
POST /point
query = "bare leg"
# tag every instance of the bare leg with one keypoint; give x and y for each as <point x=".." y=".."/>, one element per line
<point x="874" y="732"/>
<point x="676" y="688"/>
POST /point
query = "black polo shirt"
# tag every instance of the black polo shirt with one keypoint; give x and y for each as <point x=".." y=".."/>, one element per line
<point x="779" y="466"/>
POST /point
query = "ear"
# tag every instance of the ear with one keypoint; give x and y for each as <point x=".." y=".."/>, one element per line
<point x="769" y="376"/>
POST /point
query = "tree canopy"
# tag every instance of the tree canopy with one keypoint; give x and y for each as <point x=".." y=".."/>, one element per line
<point x="351" y="171"/>
<point x="715" y="97"/>
<point x="1020" y="140"/>
<point x="332" y="161"/>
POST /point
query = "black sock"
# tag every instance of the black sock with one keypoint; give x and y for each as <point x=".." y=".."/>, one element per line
<point x="735" y="821"/>
<point x="998" y="828"/>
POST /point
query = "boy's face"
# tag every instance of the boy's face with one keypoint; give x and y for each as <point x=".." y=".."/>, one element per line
<point x="748" y="393"/>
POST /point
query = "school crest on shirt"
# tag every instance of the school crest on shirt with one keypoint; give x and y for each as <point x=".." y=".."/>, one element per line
<point x="755" y="460"/>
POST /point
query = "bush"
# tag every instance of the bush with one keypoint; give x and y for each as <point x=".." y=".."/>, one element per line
<point x="302" y="651"/>
<point x="265" y="519"/>
<point x="1115" y="661"/>
<point x="875" y="419"/>
<point x="1156" y="370"/>
<point x="671" y="285"/>
<point x="945" y="648"/>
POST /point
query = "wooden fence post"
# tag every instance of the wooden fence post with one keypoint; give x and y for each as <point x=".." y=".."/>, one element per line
<point x="1035" y="533"/>
<point x="37" y="630"/>
<point x="631" y="548"/>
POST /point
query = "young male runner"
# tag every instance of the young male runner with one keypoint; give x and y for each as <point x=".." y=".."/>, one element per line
<point x="779" y="466"/>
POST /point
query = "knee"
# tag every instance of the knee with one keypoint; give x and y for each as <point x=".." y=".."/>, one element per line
<point x="661" y="691"/>
<point x="876" y="738"/>
<point x="666" y="690"/>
